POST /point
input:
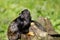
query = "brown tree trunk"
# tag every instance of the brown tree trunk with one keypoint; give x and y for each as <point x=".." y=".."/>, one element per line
<point x="41" y="35"/>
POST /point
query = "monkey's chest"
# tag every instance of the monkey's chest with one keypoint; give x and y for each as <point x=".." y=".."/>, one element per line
<point x="24" y="29"/>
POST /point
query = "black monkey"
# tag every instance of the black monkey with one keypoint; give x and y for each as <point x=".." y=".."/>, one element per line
<point x="20" y="25"/>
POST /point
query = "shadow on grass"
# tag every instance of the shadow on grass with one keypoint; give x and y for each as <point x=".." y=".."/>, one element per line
<point x="1" y="31"/>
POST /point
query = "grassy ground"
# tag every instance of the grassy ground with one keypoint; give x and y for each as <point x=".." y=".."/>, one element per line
<point x="10" y="9"/>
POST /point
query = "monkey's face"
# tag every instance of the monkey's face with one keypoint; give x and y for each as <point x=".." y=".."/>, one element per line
<point x="25" y="14"/>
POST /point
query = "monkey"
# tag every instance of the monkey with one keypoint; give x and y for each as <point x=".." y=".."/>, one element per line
<point x="21" y="25"/>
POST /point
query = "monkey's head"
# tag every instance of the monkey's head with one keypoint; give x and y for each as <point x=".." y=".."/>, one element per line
<point x="25" y="14"/>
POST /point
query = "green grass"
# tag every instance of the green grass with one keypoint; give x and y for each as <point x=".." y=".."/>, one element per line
<point x="10" y="9"/>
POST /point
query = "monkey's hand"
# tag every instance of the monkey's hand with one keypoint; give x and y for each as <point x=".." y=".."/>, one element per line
<point x="30" y="34"/>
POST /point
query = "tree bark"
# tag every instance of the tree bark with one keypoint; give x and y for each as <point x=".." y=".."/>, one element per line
<point x="38" y="33"/>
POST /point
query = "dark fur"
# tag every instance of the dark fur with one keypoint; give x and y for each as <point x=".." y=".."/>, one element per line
<point x="20" y="25"/>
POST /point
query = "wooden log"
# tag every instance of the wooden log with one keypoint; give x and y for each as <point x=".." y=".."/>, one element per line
<point x="46" y="23"/>
<point x="39" y="34"/>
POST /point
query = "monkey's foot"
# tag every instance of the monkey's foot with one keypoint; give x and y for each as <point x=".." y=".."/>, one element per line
<point x="30" y="34"/>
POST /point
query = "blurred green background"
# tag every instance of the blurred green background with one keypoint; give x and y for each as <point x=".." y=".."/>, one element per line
<point x="10" y="9"/>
